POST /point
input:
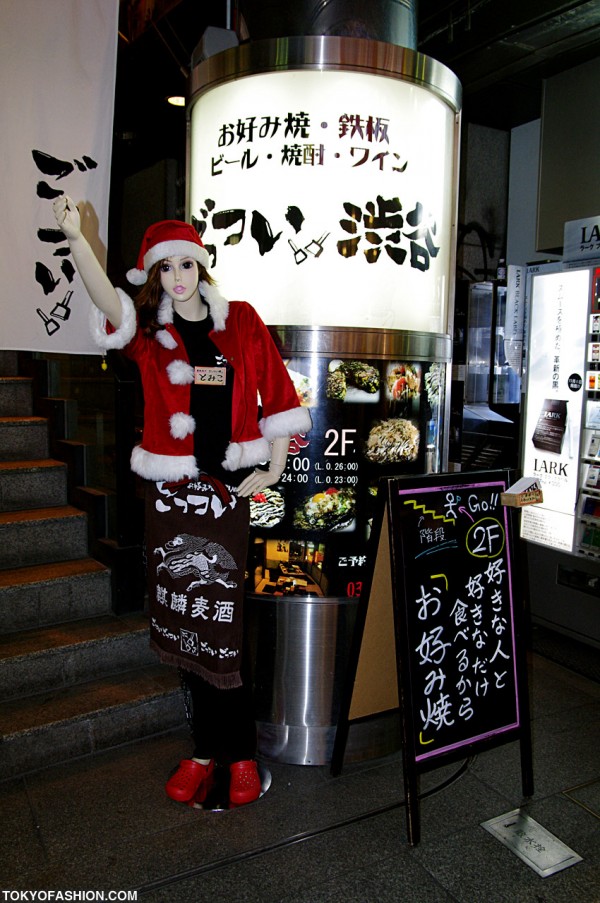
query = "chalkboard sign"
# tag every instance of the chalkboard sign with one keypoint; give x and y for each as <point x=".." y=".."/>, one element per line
<point x="454" y="591"/>
<point x="457" y="619"/>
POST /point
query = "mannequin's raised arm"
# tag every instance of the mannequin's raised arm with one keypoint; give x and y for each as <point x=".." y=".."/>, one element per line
<point x="97" y="283"/>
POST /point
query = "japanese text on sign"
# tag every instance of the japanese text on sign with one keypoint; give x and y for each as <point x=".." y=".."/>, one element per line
<point x="459" y="610"/>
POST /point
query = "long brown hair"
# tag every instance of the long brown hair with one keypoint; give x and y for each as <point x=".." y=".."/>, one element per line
<point x="148" y="299"/>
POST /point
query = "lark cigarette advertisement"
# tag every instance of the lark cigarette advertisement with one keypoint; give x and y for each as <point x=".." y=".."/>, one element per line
<point x="555" y="398"/>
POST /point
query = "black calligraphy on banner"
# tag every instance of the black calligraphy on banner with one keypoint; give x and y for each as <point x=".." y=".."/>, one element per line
<point x="460" y="654"/>
<point x="61" y="271"/>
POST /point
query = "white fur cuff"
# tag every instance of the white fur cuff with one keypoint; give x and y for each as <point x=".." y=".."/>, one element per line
<point x="163" y="467"/>
<point x="126" y="331"/>
<point x="246" y="454"/>
<point x="286" y="423"/>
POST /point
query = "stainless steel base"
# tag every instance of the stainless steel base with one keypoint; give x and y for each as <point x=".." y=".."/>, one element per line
<point x="293" y="745"/>
<point x="218" y="797"/>
<point x="296" y="744"/>
<point x="299" y="650"/>
<point x="299" y="653"/>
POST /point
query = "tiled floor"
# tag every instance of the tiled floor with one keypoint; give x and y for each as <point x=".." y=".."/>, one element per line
<point x="104" y="823"/>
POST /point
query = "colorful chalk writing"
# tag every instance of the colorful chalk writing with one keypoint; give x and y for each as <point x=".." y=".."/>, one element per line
<point x="457" y="610"/>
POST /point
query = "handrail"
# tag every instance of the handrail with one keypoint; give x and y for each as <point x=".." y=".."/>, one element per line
<point x="128" y="527"/>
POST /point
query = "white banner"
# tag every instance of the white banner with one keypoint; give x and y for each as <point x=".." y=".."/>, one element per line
<point x="57" y="69"/>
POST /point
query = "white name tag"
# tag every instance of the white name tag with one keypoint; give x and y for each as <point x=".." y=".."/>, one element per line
<point x="210" y="376"/>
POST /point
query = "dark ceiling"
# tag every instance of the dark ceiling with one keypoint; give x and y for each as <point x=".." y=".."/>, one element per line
<point x="501" y="50"/>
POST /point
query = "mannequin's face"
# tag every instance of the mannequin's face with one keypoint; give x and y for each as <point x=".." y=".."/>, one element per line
<point x="179" y="278"/>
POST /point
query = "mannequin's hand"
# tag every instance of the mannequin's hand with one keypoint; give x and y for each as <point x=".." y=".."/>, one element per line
<point x="257" y="481"/>
<point x="67" y="216"/>
<point x="260" y="479"/>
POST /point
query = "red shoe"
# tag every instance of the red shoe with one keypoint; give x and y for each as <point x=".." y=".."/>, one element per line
<point x="245" y="783"/>
<point x="191" y="782"/>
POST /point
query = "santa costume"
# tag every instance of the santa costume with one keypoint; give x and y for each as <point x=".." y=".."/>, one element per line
<point x="216" y="393"/>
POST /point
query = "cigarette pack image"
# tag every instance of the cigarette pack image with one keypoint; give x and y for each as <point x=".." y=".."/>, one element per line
<point x="549" y="432"/>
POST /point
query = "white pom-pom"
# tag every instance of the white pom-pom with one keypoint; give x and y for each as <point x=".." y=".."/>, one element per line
<point x="136" y="277"/>
<point x="181" y="425"/>
<point x="180" y="373"/>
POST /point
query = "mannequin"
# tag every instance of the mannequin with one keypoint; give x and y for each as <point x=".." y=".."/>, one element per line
<point x="202" y="361"/>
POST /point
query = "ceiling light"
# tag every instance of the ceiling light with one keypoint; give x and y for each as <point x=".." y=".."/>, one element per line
<point x="176" y="100"/>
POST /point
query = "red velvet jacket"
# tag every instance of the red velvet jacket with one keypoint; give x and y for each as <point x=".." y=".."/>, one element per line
<point x="167" y="448"/>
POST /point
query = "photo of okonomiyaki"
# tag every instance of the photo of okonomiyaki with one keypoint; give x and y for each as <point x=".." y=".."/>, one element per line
<point x="267" y="508"/>
<point x="352" y="381"/>
<point x="393" y="440"/>
<point x="403" y="381"/>
<point x="333" y="509"/>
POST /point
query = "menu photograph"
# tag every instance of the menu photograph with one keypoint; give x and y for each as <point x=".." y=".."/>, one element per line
<point x="371" y="418"/>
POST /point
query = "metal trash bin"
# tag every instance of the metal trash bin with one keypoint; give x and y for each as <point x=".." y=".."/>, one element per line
<point x="299" y="654"/>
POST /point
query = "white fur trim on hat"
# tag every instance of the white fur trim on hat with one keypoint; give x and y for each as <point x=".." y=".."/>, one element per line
<point x="164" y="249"/>
<point x="167" y="238"/>
<point x="176" y="248"/>
<point x="126" y="331"/>
<point x="181" y="425"/>
<point x="180" y="373"/>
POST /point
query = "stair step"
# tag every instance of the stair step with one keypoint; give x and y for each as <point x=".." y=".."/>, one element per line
<point x="45" y="594"/>
<point x="15" y="396"/>
<point x="23" y="438"/>
<point x="9" y="363"/>
<point x="57" y="656"/>
<point x="66" y="724"/>
<point x="32" y="484"/>
<point x="42" y="535"/>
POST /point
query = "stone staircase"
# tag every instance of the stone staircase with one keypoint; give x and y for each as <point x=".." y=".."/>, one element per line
<point x="74" y="677"/>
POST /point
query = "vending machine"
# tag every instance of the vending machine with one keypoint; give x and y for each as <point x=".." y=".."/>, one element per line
<point x="561" y="448"/>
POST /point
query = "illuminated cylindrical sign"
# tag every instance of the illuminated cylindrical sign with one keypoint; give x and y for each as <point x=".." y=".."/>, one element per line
<point x="322" y="177"/>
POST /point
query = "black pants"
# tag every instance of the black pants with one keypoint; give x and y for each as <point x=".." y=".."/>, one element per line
<point x="223" y="720"/>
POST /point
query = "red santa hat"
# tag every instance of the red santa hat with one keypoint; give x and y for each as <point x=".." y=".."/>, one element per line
<point x="168" y="238"/>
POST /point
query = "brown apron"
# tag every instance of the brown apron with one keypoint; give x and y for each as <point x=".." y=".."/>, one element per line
<point x="197" y="542"/>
